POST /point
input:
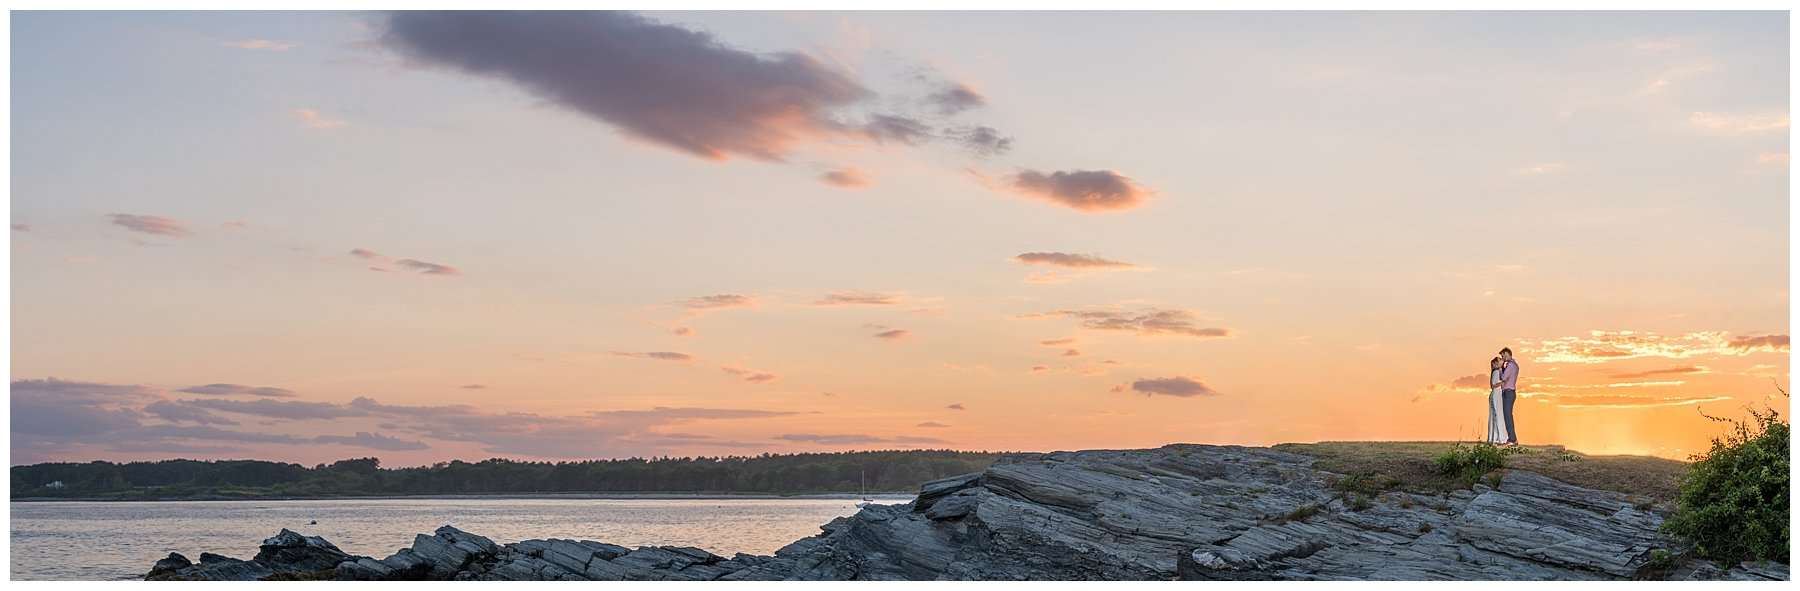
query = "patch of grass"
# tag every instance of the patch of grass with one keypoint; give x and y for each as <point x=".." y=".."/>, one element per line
<point x="1410" y="462"/>
<point x="1300" y="513"/>
<point x="1357" y="501"/>
<point x="1468" y="464"/>
<point x="1658" y="566"/>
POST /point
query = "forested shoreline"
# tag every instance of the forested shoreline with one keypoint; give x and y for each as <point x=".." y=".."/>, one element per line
<point x="783" y="474"/>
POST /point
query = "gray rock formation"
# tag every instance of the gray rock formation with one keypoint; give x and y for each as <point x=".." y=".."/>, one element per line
<point x="1178" y="512"/>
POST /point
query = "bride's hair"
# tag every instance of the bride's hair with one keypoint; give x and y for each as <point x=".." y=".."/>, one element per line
<point x="1495" y="364"/>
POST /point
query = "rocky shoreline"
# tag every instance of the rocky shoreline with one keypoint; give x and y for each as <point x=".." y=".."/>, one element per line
<point x="1190" y="512"/>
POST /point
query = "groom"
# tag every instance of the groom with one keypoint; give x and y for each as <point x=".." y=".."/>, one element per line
<point x="1509" y="391"/>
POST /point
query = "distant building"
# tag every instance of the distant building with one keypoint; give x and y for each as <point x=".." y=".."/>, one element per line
<point x="54" y="484"/>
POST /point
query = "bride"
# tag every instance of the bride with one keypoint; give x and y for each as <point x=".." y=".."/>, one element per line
<point x="1496" y="432"/>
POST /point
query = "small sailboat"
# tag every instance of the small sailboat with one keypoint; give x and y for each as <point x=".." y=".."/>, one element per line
<point x="864" y="491"/>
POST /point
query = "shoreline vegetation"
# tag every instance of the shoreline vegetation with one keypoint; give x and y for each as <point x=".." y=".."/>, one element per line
<point x="762" y="476"/>
<point x="1408" y="464"/>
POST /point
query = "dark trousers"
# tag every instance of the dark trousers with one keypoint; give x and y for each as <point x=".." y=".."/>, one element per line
<point x="1506" y="400"/>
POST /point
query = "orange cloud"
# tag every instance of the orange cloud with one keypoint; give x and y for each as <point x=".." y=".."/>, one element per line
<point x="1603" y="346"/>
<point x="1090" y="191"/>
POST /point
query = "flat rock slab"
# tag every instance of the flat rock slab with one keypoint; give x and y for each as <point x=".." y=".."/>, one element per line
<point x="1177" y="512"/>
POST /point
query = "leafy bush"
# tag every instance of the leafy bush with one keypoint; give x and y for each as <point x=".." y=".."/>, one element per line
<point x="1468" y="463"/>
<point x="1733" y="504"/>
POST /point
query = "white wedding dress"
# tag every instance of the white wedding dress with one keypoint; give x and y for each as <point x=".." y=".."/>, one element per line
<point x="1496" y="412"/>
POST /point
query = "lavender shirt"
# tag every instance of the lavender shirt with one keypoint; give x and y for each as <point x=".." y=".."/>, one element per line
<point x="1509" y="376"/>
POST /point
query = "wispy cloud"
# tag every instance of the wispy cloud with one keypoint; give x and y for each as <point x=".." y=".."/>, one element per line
<point x="659" y="355"/>
<point x="857" y="439"/>
<point x="1075" y="261"/>
<point x="847" y="178"/>
<point x="238" y="390"/>
<point x="1603" y="346"/>
<point x="262" y="45"/>
<point x="371" y="441"/>
<point x="1667" y="371"/>
<point x="150" y="224"/>
<point x="425" y="268"/>
<point x="1738" y="123"/>
<point x="754" y="376"/>
<point x="719" y="302"/>
<point x="893" y="334"/>
<point x="857" y="298"/>
<point x="1149" y="322"/>
<point x="313" y="119"/>
<point x="1541" y="169"/>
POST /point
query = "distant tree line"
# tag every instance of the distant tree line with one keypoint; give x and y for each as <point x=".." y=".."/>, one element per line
<point x="842" y="472"/>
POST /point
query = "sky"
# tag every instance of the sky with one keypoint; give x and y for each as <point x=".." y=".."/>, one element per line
<point x="428" y="236"/>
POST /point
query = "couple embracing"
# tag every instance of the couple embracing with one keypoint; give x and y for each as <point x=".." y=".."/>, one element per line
<point x="1503" y="380"/>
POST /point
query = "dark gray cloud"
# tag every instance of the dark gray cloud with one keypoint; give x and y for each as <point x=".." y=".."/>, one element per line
<point x="149" y="224"/>
<point x="956" y="98"/>
<point x="1774" y="342"/>
<point x="1153" y="321"/>
<point x="898" y="129"/>
<point x="372" y="441"/>
<point x="56" y="419"/>
<point x="237" y="390"/>
<point x="1180" y="386"/>
<point x="857" y="298"/>
<point x="293" y="410"/>
<point x="660" y="355"/>
<point x="671" y="86"/>
<point x="980" y="140"/>
<point x="425" y="268"/>
<point x="1077" y="261"/>
<point x="1084" y="190"/>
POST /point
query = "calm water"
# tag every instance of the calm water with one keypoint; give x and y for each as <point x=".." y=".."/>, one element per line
<point x="120" y="540"/>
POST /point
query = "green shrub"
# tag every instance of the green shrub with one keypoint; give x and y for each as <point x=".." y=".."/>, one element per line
<point x="1468" y="463"/>
<point x="1733" y="504"/>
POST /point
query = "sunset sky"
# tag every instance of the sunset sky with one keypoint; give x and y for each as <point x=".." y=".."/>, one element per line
<point x="311" y="236"/>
